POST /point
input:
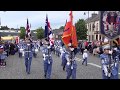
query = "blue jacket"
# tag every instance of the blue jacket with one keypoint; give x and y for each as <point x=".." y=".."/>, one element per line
<point x="105" y="61"/>
<point x="28" y="50"/>
<point x="45" y="52"/>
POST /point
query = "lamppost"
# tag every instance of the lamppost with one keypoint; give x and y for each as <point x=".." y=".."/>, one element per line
<point x="88" y="20"/>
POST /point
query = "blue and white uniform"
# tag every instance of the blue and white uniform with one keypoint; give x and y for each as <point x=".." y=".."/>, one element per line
<point x="47" y="60"/>
<point x="28" y="56"/>
<point x="63" y="57"/>
<point x="110" y="66"/>
<point x="71" y="65"/>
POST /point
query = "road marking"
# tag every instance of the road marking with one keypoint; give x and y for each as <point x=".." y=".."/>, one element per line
<point x="94" y="65"/>
<point x="78" y="59"/>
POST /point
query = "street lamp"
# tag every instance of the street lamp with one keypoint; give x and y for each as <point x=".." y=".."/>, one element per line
<point x="88" y="23"/>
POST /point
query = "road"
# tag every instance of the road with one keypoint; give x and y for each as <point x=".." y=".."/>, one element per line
<point x="15" y="68"/>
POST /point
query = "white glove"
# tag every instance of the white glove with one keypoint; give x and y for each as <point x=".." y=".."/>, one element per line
<point x="68" y="63"/>
<point x="23" y="53"/>
<point x="115" y="64"/>
<point x="110" y="52"/>
<point x="49" y="47"/>
<point x="71" y="49"/>
<point x="44" y="57"/>
<point x="105" y="70"/>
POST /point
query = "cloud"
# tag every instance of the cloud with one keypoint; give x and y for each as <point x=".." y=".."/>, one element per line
<point x="14" y="19"/>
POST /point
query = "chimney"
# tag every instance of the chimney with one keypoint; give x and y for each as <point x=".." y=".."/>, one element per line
<point x="94" y="15"/>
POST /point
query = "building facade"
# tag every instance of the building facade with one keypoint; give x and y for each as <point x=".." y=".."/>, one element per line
<point x="93" y="27"/>
<point x="16" y="33"/>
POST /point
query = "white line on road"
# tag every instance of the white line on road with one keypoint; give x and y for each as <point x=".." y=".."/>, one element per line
<point x="78" y="59"/>
<point x="94" y="65"/>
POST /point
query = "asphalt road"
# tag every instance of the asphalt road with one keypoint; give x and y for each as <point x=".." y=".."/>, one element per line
<point x="15" y="68"/>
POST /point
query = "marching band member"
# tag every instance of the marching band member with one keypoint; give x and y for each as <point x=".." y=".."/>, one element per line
<point x="28" y="54"/>
<point x="47" y="59"/>
<point x="109" y="65"/>
<point x="63" y="57"/>
<point x="71" y="65"/>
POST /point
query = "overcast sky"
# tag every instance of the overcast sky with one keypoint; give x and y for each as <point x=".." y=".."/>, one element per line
<point x="14" y="19"/>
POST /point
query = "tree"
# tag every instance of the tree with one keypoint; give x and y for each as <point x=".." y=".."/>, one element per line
<point x="22" y="32"/>
<point x="81" y="29"/>
<point x="62" y="27"/>
<point x="40" y="33"/>
<point x="4" y="28"/>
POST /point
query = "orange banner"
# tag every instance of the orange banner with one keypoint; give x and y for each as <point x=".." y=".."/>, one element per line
<point x="67" y="34"/>
<point x="74" y="37"/>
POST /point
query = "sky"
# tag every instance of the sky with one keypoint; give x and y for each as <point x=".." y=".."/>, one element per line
<point x="16" y="19"/>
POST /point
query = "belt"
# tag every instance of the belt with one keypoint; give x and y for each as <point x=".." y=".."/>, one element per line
<point x="27" y="51"/>
<point x="47" y="55"/>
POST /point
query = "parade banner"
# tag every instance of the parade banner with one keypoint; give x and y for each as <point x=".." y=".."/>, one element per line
<point x="110" y="24"/>
<point x="48" y="32"/>
<point x="28" y="32"/>
<point x="69" y="33"/>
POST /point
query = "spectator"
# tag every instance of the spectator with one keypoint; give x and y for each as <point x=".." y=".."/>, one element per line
<point x="6" y="48"/>
<point x="2" y="55"/>
<point x="12" y="49"/>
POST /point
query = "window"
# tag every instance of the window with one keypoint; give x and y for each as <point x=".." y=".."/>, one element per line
<point x="96" y="37"/>
<point x="93" y="26"/>
<point x="92" y="37"/>
<point x="90" y="27"/>
<point x="89" y="37"/>
<point x="97" y="27"/>
<point x="100" y="37"/>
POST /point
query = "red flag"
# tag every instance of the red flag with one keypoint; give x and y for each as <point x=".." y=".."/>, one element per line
<point x="28" y="33"/>
<point x="27" y="27"/>
<point x="69" y="33"/>
<point x="71" y="17"/>
<point x="74" y="37"/>
<point x="66" y="37"/>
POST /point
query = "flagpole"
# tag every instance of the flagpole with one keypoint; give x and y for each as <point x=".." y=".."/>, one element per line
<point x="47" y="27"/>
<point x="88" y="20"/>
<point x="72" y="17"/>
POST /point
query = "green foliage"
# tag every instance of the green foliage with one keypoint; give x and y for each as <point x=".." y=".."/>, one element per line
<point x="81" y="29"/>
<point x="22" y="32"/>
<point x="4" y="28"/>
<point x="40" y="33"/>
<point x="62" y="27"/>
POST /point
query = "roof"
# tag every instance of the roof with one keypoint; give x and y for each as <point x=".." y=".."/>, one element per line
<point x="93" y="19"/>
<point x="57" y="31"/>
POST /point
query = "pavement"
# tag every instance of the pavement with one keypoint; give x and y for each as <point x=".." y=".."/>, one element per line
<point x="15" y="68"/>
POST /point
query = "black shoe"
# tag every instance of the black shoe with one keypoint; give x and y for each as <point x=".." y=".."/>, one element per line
<point x="45" y="75"/>
<point x="63" y="68"/>
<point x="28" y="72"/>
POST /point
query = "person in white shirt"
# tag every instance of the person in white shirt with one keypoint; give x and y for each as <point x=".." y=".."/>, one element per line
<point x="85" y="57"/>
